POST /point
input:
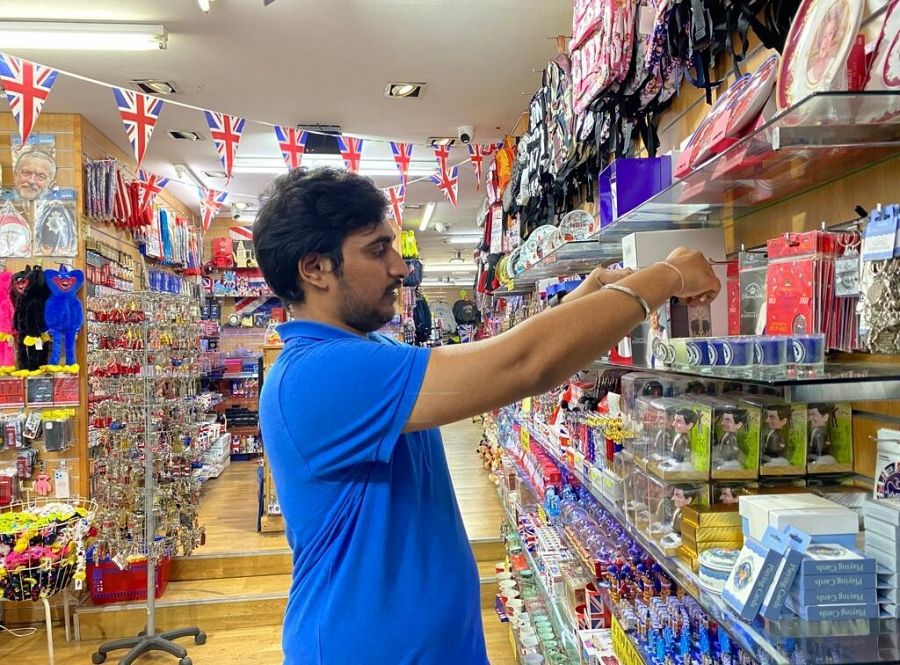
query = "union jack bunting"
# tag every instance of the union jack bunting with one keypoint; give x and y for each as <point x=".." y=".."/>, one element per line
<point x="448" y="182"/>
<point x="151" y="185"/>
<point x="139" y="113"/>
<point x="292" y="142"/>
<point x="226" y="132"/>
<point x="442" y="154"/>
<point x="351" y="151"/>
<point x="27" y="86"/>
<point x="402" y="156"/>
<point x="477" y="153"/>
<point x="211" y="201"/>
<point x="397" y="197"/>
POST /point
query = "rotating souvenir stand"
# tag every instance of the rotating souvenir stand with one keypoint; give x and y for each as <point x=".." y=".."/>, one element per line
<point x="144" y="370"/>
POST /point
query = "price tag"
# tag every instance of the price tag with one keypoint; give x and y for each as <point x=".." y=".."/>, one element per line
<point x="524" y="439"/>
<point x="624" y="647"/>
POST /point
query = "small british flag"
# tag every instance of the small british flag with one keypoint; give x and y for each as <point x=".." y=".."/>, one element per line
<point x="151" y="185"/>
<point x="397" y="197"/>
<point x="448" y="182"/>
<point x="27" y="86"/>
<point x="477" y="153"/>
<point x="139" y="114"/>
<point x="226" y="132"/>
<point x="402" y="156"/>
<point x="292" y="142"/>
<point x="211" y="201"/>
<point x="442" y="155"/>
<point x="351" y="151"/>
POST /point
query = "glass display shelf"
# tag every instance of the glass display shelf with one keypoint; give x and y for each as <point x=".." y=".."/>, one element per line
<point x="836" y="382"/>
<point x="569" y="259"/>
<point x="822" y="138"/>
<point x="786" y="642"/>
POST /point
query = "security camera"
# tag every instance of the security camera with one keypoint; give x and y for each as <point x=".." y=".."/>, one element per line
<point x="466" y="133"/>
<point x="235" y="214"/>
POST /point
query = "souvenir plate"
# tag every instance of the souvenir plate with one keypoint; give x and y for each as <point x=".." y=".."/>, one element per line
<point x="577" y="225"/>
<point x="817" y="48"/>
<point x="724" y="104"/>
<point x="754" y="97"/>
<point x="885" y="71"/>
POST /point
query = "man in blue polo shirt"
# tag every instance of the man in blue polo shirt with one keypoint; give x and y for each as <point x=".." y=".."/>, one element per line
<point x="382" y="569"/>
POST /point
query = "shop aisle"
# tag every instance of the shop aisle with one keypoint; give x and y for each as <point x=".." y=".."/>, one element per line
<point x="229" y="512"/>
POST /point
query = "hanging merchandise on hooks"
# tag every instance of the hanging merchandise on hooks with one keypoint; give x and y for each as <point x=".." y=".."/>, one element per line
<point x="62" y="313"/>
<point x="29" y="296"/>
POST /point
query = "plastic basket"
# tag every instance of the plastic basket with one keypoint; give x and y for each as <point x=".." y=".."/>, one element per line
<point x="110" y="584"/>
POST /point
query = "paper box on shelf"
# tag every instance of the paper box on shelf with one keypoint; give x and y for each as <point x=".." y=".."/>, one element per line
<point x="791" y="544"/>
<point x="644" y="248"/>
<point x="712" y="516"/>
<point x="752" y="278"/>
<point x="832" y="612"/>
<point x="820" y="518"/>
<point x="886" y="510"/>
<point x="827" y="559"/>
<point x="628" y="182"/>
<point x="782" y="436"/>
<point x="829" y="438"/>
<point x="750" y="579"/>
<point x="735" y="449"/>
<point x="887" y="464"/>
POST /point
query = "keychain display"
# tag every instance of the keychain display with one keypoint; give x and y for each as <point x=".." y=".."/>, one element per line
<point x="63" y="314"/>
<point x="879" y="282"/>
<point x="144" y="367"/>
<point x="29" y="296"/>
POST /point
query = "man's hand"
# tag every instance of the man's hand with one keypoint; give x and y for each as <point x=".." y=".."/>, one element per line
<point x="598" y="278"/>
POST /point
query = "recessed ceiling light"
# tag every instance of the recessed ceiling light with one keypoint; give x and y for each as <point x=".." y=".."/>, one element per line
<point x="154" y="86"/>
<point x="216" y="174"/>
<point x="184" y="135"/>
<point x="404" y="89"/>
<point x="442" y="140"/>
<point x="240" y="205"/>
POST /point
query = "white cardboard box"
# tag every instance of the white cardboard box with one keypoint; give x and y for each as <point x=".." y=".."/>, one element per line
<point x="807" y="512"/>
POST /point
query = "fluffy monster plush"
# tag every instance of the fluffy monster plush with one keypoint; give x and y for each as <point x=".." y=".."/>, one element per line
<point x="63" y="312"/>
<point x="7" y="339"/>
<point x="29" y="294"/>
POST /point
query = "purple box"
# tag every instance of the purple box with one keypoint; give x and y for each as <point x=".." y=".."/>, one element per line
<point x="628" y="182"/>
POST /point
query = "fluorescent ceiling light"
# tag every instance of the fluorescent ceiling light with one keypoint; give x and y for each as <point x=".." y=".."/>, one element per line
<point x="464" y="240"/>
<point x="426" y="215"/>
<point x="204" y="6"/>
<point x="78" y="36"/>
<point x="367" y="167"/>
<point x="449" y="267"/>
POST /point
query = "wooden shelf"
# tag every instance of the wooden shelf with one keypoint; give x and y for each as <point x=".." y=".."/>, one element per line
<point x="246" y="429"/>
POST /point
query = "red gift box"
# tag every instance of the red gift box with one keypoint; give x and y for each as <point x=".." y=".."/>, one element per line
<point x="12" y="391"/>
<point x="66" y="390"/>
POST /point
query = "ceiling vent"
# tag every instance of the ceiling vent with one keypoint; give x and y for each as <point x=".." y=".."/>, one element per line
<point x="154" y="86"/>
<point x="322" y="139"/>
<point x="185" y="135"/>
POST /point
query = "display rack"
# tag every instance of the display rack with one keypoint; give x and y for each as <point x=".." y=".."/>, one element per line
<point x="823" y="137"/>
<point x="146" y="425"/>
<point x="849" y="642"/>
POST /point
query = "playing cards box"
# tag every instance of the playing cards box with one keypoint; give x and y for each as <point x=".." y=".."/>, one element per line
<point x="886" y="510"/>
<point x="828" y="559"/>
<point x="791" y="544"/>
<point x="803" y="596"/>
<point x="833" y="612"/>
<point x="746" y="587"/>
<point x="835" y="583"/>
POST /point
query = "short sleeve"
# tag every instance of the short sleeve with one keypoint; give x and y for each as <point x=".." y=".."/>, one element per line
<point x="347" y="401"/>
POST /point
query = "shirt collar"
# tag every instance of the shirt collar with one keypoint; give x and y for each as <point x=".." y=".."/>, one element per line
<point x="312" y="330"/>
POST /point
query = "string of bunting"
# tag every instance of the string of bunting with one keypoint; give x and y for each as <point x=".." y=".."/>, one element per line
<point x="28" y="85"/>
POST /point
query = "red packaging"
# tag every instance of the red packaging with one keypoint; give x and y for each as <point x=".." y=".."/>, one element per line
<point x="734" y="299"/>
<point x="66" y="390"/>
<point x="856" y="65"/>
<point x="12" y="391"/>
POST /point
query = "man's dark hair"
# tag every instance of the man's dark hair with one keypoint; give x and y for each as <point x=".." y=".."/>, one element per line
<point x="311" y="212"/>
<point x="690" y="417"/>
<point x="739" y="415"/>
<point x="783" y="410"/>
<point x="824" y="409"/>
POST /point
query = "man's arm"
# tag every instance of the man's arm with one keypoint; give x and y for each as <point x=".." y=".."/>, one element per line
<point x="544" y="351"/>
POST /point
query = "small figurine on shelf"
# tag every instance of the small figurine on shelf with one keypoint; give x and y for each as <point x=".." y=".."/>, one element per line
<point x="727" y="449"/>
<point x="778" y="417"/>
<point x="63" y="312"/>
<point x="682" y="422"/>
<point x="820" y="419"/>
<point x="29" y="295"/>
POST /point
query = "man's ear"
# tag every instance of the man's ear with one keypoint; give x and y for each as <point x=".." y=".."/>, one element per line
<point x="315" y="270"/>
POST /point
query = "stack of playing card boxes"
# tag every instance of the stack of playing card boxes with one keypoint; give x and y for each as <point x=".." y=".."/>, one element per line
<point x="882" y="519"/>
<point x="834" y="582"/>
<point x="708" y="527"/>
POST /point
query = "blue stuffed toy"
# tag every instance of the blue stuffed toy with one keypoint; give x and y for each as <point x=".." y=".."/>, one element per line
<point x="63" y="313"/>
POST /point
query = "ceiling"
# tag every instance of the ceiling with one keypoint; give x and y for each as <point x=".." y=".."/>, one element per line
<point x="306" y="61"/>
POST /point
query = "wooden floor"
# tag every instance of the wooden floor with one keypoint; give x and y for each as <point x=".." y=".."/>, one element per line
<point x="229" y="512"/>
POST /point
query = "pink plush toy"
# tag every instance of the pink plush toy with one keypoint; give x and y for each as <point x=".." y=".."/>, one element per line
<point x="7" y="341"/>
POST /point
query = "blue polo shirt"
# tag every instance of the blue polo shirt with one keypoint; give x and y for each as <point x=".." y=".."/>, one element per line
<point x="383" y="573"/>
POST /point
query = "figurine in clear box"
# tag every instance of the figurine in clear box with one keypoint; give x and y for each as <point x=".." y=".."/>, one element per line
<point x="683" y="422"/>
<point x="821" y="417"/>
<point x="669" y="512"/>
<point x="727" y="450"/>
<point x="778" y="420"/>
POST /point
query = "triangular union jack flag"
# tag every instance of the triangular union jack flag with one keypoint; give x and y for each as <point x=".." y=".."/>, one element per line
<point x="448" y="182"/>
<point x="442" y="155"/>
<point x="226" y="131"/>
<point x="139" y="113"/>
<point x="402" y="156"/>
<point x="351" y="151"/>
<point x="477" y="153"/>
<point x="151" y="185"/>
<point x="27" y="86"/>
<point x="211" y="201"/>
<point x="397" y="197"/>
<point x="292" y="142"/>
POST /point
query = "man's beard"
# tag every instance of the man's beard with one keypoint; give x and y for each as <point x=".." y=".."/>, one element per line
<point x="358" y="314"/>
